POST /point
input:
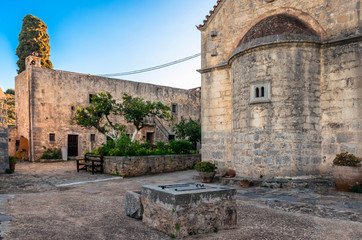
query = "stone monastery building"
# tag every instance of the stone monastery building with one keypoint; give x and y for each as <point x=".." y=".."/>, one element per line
<point x="281" y="85"/>
<point x="46" y="100"/>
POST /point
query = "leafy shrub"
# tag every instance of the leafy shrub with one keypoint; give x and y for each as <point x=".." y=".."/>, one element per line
<point x="51" y="153"/>
<point x="12" y="160"/>
<point x="345" y="159"/>
<point x="181" y="147"/>
<point x="9" y="171"/>
<point x="205" y="167"/>
<point x="125" y="147"/>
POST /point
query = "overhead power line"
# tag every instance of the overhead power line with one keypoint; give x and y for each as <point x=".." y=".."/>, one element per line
<point x="151" y="68"/>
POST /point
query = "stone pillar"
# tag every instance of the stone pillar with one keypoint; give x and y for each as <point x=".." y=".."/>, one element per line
<point x="4" y="155"/>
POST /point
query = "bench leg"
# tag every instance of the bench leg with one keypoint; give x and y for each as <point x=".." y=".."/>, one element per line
<point x="77" y="165"/>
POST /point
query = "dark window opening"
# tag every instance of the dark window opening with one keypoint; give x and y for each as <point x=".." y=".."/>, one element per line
<point x="173" y="107"/>
<point x="256" y="92"/>
<point x="171" y="137"/>
<point x="52" y="137"/>
<point x="128" y="135"/>
<point x="93" y="137"/>
<point x="91" y="98"/>
<point x="72" y="108"/>
<point x="262" y="92"/>
<point x="9" y="139"/>
<point x="17" y="145"/>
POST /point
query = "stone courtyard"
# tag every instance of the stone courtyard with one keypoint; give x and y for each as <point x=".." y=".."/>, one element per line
<point x="53" y="201"/>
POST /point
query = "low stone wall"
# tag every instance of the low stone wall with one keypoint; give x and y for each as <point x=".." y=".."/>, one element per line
<point x="142" y="165"/>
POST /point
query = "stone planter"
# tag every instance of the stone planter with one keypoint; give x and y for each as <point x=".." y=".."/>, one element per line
<point x="345" y="177"/>
<point x="207" y="177"/>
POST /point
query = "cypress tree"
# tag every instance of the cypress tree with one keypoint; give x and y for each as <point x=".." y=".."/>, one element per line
<point x="33" y="37"/>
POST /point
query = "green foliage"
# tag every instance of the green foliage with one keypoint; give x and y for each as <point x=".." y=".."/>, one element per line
<point x="33" y="37"/>
<point x="12" y="160"/>
<point x="10" y="106"/>
<point x="51" y="153"/>
<point x="181" y="147"/>
<point x="205" y="167"/>
<point x="123" y="146"/>
<point x="138" y="111"/>
<point x="357" y="189"/>
<point x="177" y="228"/>
<point x="172" y="236"/>
<point x="190" y="131"/>
<point x="98" y="114"/>
<point x="345" y="159"/>
<point x="9" y="171"/>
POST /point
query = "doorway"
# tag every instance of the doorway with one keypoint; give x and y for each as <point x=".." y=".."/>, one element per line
<point x="150" y="138"/>
<point x="72" y="145"/>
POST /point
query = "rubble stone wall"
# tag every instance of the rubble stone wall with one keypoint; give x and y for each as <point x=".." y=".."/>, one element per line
<point x="143" y="165"/>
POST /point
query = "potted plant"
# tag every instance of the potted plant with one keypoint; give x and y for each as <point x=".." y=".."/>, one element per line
<point x="12" y="162"/>
<point x="347" y="171"/>
<point x="206" y="171"/>
<point x="245" y="183"/>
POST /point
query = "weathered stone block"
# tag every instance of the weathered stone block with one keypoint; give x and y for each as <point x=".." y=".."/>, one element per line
<point x="134" y="207"/>
<point x="185" y="209"/>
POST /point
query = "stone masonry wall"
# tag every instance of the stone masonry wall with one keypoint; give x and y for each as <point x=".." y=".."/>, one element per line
<point x="280" y="137"/>
<point x="56" y="94"/>
<point x="341" y="101"/>
<point x="142" y="165"/>
<point x="338" y="24"/>
<point x="4" y="155"/>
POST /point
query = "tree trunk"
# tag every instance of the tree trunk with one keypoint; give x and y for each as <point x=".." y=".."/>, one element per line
<point x="134" y="135"/>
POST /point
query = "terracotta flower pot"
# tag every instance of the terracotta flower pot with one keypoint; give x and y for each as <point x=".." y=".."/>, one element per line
<point x="207" y="177"/>
<point x="345" y="177"/>
<point x="245" y="184"/>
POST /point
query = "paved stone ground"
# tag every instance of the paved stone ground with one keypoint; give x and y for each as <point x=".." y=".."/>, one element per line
<point x="33" y="207"/>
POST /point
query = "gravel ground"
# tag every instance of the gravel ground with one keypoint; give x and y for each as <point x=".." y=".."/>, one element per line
<point x="38" y="209"/>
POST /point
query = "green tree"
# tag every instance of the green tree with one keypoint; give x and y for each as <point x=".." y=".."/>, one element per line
<point x="10" y="102"/>
<point x="190" y="131"/>
<point x="138" y="111"/>
<point x="99" y="114"/>
<point x="33" y="37"/>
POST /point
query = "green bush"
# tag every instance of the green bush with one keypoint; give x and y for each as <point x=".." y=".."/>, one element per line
<point x="125" y="147"/>
<point x="345" y="159"/>
<point x="51" y="153"/>
<point x="12" y="160"/>
<point x="181" y="147"/>
<point x="205" y="167"/>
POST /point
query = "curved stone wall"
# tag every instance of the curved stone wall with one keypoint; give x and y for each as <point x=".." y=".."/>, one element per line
<point x="280" y="137"/>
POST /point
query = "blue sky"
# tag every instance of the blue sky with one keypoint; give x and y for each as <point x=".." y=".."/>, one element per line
<point x="101" y="37"/>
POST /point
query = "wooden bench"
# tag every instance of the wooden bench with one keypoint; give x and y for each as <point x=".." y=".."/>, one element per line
<point x="94" y="161"/>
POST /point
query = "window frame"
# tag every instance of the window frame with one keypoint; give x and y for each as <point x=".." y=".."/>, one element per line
<point x="260" y="93"/>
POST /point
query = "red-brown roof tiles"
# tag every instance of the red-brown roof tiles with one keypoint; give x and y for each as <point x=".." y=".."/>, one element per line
<point x="216" y="7"/>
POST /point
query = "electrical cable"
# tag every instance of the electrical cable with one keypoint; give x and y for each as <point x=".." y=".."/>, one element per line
<point x="151" y="68"/>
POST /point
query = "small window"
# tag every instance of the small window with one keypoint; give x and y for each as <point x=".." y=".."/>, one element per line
<point x="171" y="137"/>
<point x="93" y="137"/>
<point x="174" y="108"/>
<point x="260" y="93"/>
<point x="90" y="98"/>
<point x="52" y="137"/>
<point x="9" y="139"/>
<point x="72" y="108"/>
<point x="17" y="145"/>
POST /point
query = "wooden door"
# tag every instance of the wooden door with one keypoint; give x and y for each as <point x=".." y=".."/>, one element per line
<point x="72" y="145"/>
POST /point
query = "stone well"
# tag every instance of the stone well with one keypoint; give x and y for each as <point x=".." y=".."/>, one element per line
<point x="189" y="208"/>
